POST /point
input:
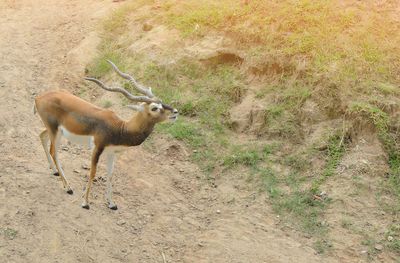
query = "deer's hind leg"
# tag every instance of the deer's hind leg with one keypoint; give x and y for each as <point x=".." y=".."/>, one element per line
<point x="55" y="142"/>
<point x="44" y="138"/>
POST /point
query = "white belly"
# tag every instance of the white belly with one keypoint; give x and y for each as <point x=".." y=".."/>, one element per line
<point x="80" y="139"/>
<point x="89" y="141"/>
<point x="115" y="148"/>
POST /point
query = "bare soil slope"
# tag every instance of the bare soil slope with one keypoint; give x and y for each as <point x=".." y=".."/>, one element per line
<point x="166" y="209"/>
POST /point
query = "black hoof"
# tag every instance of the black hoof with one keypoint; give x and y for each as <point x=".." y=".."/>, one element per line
<point x="114" y="207"/>
<point x="56" y="174"/>
<point x="70" y="192"/>
<point x="85" y="207"/>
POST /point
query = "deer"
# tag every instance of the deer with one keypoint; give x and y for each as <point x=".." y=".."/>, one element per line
<point x="66" y="115"/>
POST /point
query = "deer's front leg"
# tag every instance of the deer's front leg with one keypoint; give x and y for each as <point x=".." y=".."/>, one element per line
<point x="110" y="168"/>
<point x="95" y="159"/>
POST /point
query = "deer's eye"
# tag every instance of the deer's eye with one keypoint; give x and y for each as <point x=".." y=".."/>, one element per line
<point x="154" y="109"/>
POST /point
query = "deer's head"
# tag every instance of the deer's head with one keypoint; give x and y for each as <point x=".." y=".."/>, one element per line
<point x="149" y="107"/>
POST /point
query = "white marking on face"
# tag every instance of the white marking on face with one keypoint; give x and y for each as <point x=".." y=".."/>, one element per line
<point x="155" y="107"/>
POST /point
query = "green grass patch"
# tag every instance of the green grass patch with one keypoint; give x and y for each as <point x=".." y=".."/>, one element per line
<point x="392" y="236"/>
<point x="297" y="162"/>
<point x="106" y="104"/>
<point x="381" y="120"/>
<point x="185" y="131"/>
<point x="270" y="182"/>
<point x="246" y="157"/>
<point x="334" y="154"/>
<point x="9" y="233"/>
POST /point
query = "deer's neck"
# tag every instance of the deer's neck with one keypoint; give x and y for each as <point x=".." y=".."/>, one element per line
<point x="136" y="130"/>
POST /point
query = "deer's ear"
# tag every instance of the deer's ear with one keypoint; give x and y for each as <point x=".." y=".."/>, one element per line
<point x="139" y="108"/>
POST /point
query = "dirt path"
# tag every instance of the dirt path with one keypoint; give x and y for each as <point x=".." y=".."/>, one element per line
<point x="165" y="205"/>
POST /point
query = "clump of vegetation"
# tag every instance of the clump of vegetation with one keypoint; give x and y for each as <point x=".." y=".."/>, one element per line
<point x="334" y="152"/>
<point x="393" y="238"/>
<point x="247" y="157"/>
<point x="381" y="121"/>
<point x="9" y="233"/>
<point x="106" y="104"/>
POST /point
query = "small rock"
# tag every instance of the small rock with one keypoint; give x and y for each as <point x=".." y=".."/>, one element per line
<point x="76" y="171"/>
<point x="123" y="250"/>
<point x="378" y="247"/>
<point x="390" y="238"/>
<point x="364" y="251"/>
<point x="195" y="151"/>
<point x="324" y="223"/>
<point x="121" y="222"/>
<point x="147" y="27"/>
<point x="65" y="148"/>
<point x="181" y="170"/>
<point x="218" y="211"/>
<point x="85" y="166"/>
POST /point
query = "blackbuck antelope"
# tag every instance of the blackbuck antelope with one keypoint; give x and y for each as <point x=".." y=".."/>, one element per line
<point x="66" y="115"/>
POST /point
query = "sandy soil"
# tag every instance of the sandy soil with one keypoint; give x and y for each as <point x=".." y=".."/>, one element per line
<point x="166" y="207"/>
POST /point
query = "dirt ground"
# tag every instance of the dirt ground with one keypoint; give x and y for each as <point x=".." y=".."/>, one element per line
<point x="167" y="209"/>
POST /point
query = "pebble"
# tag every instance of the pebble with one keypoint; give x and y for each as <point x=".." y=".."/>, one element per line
<point x="147" y="27"/>
<point x="390" y="238"/>
<point x="378" y="247"/>
<point x="218" y="211"/>
<point x="121" y="222"/>
<point x="76" y="171"/>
